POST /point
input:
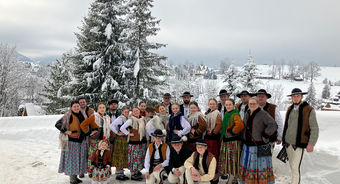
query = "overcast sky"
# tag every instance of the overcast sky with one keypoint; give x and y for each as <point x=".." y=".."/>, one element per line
<point x="197" y="31"/>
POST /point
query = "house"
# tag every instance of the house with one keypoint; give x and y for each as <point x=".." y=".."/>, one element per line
<point x="29" y="109"/>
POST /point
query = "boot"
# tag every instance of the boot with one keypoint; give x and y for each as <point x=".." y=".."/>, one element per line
<point x="78" y="180"/>
<point x="73" y="179"/>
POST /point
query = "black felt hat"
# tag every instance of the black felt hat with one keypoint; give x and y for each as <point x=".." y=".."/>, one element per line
<point x="296" y="91"/>
<point x="245" y="92"/>
<point x="187" y="94"/>
<point x="176" y="139"/>
<point x="201" y="142"/>
<point x="158" y="133"/>
<point x="112" y="101"/>
<point x="223" y="92"/>
<point x="263" y="91"/>
<point x="166" y="95"/>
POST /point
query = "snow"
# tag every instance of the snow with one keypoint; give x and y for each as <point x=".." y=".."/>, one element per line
<point x="136" y="68"/>
<point x="29" y="152"/>
<point x="34" y="110"/>
<point x="108" y="31"/>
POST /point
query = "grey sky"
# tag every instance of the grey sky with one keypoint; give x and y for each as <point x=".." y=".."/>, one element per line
<point x="198" y="31"/>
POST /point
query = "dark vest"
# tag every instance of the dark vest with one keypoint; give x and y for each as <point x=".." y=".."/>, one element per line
<point x="303" y="131"/>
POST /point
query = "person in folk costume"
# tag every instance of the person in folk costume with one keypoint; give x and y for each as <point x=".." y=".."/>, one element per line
<point x="156" y="158"/>
<point x="73" y="159"/>
<point x="198" y="125"/>
<point x="134" y="128"/>
<point x="87" y="112"/>
<point x="154" y="123"/>
<point x="179" y="153"/>
<point x="113" y="113"/>
<point x="101" y="163"/>
<point x="224" y="95"/>
<point x="214" y="126"/>
<point x="178" y="124"/>
<point x="120" y="145"/>
<point x="301" y="131"/>
<point x="163" y="115"/>
<point x="229" y="160"/>
<point x="259" y="126"/>
<point x="103" y="121"/>
<point x="243" y="106"/>
<point x="142" y="107"/>
<point x="166" y="102"/>
<point x="274" y="112"/>
<point x="201" y="165"/>
<point x="185" y="107"/>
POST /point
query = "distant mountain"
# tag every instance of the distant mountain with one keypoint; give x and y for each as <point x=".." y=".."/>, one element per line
<point x="21" y="57"/>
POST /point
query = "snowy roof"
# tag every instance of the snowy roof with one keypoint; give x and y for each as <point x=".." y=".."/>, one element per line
<point x="34" y="110"/>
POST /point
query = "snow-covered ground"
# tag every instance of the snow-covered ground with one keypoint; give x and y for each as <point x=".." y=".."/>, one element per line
<point x="29" y="152"/>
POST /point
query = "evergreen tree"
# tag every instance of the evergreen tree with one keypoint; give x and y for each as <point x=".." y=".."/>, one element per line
<point x="311" y="96"/>
<point x="326" y="91"/>
<point x="56" y="90"/>
<point x="101" y="52"/>
<point x="147" y="65"/>
<point x="232" y="79"/>
<point x="248" y="75"/>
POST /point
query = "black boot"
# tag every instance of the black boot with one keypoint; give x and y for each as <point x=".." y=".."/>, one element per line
<point x="79" y="180"/>
<point x="73" y="179"/>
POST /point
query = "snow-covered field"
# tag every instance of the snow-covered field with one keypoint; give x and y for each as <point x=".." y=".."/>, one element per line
<point x="29" y="152"/>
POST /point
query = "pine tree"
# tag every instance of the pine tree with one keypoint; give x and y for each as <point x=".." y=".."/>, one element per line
<point x="311" y="96"/>
<point x="326" y="91"/>
<point x="101" y="52"/>
<point x="147" y="65"/>
<point x="232" y="79"/>
<point x="56" y="90"/>
<point x="248" y="75"/>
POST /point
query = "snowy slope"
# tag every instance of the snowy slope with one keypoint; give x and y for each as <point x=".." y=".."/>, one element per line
<point x="29" y="152"/>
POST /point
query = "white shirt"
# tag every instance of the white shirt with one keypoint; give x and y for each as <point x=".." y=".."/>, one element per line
<point x="185" y="125"/>
<point x="186" y="110"/>
<point x="156" y="156"/>
<point x="242" y="110"/>
<point x="114" y="125"/>
<point x="123" y="128"/>
<point x="222" y="112"/>
<point x="113" y="117"/>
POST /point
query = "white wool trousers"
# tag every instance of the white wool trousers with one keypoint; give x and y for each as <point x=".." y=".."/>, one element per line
<point x="188" y="176"/>
<point x="154" y="177"/>
<point x="173" y="178"/>
<point x="295" y="159"/>
<point x="100" y="182"/>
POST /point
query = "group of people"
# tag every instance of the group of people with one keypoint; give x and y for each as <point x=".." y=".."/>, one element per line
<point x="179" y="143"/>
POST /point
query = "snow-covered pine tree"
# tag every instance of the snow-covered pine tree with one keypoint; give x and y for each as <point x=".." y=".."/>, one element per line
<point x="326" y="91"/>
<point x="311" y="96"/>
<point x="56" y="87"/>
<point x="248" y="75"/>
<point x="101" y="52"/>
<point x="231" y="77"/>
<point x="147" y="65"/>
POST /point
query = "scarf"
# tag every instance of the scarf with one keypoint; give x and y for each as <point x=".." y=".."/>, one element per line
<point x="138" y="124"/>
<point x="103" y="121"/>
<point x="228" y="121"/>
<point x="193" y="118"/>
<point x="211" y="119"/>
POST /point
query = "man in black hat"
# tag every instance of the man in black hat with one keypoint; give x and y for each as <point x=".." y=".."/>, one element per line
<point x="156" y="158"/>
<point x="113" y="109"/>
<point x="224" y="95"/>
<point x="185" y="108"/>
<point x="243" y="106"/>
<point x="201" y="165"/>
<point x="301" y="131"/>
<point x="166" y="102"/>
<point x="262" y="97"/>
<point x="179" y="153"/>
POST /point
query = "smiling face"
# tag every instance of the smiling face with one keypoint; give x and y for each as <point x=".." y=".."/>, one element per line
<point x="126" y="112"/>
<point x="162" y="110"/>
<point x="101" y="109"/>
<point x="142" y="106"/>
<point x="166" y="100"/>
<point x="253" y="105"/>
<point x="201" y="149"/>
<point x="177" y="146"/>
<point x="82" y="103"/>
<point x="135" y="112"/>
<point x="229" y="105"/>
<point x="75" y="108"/>
<point x="212" y="105"/>
<point x="103" y="145"/>
<point x="193" y="108"/>
<point x="175" y="108"/>
<point x="158" y="140"/>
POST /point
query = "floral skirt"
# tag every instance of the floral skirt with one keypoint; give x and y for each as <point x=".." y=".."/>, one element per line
<point x="213" y="147"/>
<point x="93" y="145"/>
<point x="74" y="161"/>
<point x="101" y="174"/>
<point x="136" y="157"/>
<point x="253" y="169"/>
<point x="229" y="161"/>
<point x="120" y="153"/>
